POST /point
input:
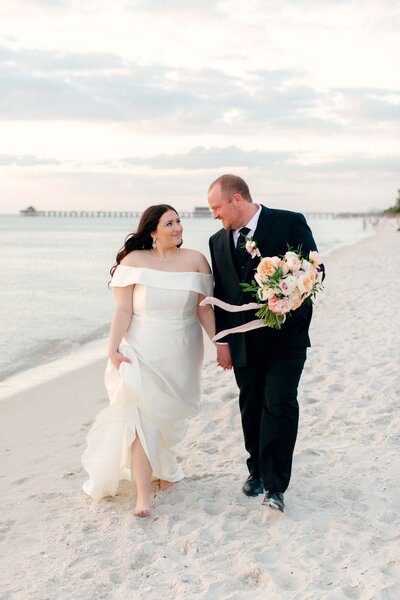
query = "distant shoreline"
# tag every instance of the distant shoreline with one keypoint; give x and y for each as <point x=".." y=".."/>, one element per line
<point x="204" y="213"/>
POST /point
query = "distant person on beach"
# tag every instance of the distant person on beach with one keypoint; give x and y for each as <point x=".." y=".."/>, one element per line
<point x="267" y="363"/>
<point x="155" y="359"/>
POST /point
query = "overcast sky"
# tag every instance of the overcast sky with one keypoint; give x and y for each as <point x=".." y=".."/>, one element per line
<point x="120" y="104"/>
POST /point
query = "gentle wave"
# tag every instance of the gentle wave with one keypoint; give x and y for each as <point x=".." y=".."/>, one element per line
<point x="51" y="350"/>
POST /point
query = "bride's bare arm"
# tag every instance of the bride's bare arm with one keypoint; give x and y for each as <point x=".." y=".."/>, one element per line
<point x="206" y="318"/>
<point x="120" y="322"/>
<point x="205" y="313"/>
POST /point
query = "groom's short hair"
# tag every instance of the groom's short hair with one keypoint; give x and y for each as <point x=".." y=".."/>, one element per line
<point x="232" y="184"/>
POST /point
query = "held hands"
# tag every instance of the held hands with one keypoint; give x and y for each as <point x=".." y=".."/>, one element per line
<point x="224" y="358"/>
<point x="117" y="358"/>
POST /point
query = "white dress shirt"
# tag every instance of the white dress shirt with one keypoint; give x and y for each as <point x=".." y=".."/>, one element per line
<point x="252" y="225"/>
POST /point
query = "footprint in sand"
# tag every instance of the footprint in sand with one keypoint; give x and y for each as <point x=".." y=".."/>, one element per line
<point x="311" y="400"/>
<point x="352" y="592"/>
<point x="20" y="481"/>
<point x="116" y="578"/>
<point x="392" y="569"/>
<point x="5" y="526"/>
<point x="186" y="527"/>
<point x="230" y="395"/>
<point x="231" y="525"/>
<point x="88" y="575"/>
<point x="85" y="426"/>
<point x="141" y="559"/>
<point x="212" y="509"/>
<point x="254" y="577"/>
<point x="89" y="528"/>
<point x="72" y="474"/>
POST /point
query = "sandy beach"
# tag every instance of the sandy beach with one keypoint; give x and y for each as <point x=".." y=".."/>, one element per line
<point x="339" y="537"/>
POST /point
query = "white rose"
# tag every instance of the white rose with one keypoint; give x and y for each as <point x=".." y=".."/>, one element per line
<point x="265" y="293"/>
<point x="305" y="265"/>
<point x="259" y="279"/>
<point x="292" y="261"/>
<point x="287" y="285"/>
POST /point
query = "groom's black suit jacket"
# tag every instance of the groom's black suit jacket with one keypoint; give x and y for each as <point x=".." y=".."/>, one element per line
<point x="276" y="229"/>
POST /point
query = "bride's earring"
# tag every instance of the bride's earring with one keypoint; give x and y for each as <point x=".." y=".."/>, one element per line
<point x="154" y="244"/>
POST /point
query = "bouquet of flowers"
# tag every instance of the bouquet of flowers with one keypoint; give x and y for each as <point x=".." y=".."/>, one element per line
<point x="282" y="284"/>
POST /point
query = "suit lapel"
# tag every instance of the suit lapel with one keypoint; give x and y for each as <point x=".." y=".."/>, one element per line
<point x="227" y="245"/>
<point x="263" y="226"/>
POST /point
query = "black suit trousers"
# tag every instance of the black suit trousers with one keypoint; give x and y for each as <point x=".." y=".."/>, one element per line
<point x="270" y="412"/>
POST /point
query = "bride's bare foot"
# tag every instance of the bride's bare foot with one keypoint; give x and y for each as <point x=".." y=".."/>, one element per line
<point x="165" y="485"/>
<point x="141" y="509"/>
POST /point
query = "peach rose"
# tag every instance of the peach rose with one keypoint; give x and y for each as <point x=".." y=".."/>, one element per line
<point x="296" y="299"/>
<point x="304" y="283"/>
<point x="266" y="267"/>
<point x="313" y="273"/>
<point x="315" y="258"/>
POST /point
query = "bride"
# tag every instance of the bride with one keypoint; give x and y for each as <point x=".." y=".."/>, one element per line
<point x="155" y="358"/>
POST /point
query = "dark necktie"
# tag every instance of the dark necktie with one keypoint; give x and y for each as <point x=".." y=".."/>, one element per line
<point x="240" y="249"/>
<point x="241" y="254"/>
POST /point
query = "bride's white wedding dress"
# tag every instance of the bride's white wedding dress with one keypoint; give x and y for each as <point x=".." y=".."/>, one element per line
<point x="153" y="396"/>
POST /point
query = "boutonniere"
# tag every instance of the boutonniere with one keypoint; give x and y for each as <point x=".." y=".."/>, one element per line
<point x="250" y="246"/>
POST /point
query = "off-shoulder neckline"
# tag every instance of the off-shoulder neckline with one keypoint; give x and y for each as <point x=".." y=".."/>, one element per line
<point x="161" y="271"/>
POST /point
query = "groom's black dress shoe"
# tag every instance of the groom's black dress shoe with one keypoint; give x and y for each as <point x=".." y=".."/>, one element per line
<point x="274" y="500"/>
<point x="253" y="486"/>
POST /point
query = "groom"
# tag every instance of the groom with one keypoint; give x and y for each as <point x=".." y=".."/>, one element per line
<point x="267" y="362"/>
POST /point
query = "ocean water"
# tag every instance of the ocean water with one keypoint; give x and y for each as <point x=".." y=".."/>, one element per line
<point x="55" y="301"/>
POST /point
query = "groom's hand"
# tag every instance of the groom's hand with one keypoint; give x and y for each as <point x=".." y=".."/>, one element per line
<point x="224" y="358"/>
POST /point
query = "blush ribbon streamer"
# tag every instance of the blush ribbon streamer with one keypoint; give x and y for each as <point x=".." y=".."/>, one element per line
<point x="256" y="324"/>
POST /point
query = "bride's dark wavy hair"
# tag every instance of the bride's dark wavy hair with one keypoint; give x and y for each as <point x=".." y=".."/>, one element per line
<point x="141" y="238"/>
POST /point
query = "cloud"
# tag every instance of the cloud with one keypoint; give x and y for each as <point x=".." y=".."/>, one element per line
<point x="373" y="105"/>
<point x="95" y="87"/>
<point x="358" y="164"/>
<point x="43" y="85"/>
<point x="26" y="160"/>
<point x="208" y="7"/>
<point x="53" y="63"/>
<point x="212" y="158"/>
<point x="39" y="85"/>
<point x="48" y="3"/>
<point x="280" y="165"/>
<point x="47" y="6"/>
<point x="200" y="158"/>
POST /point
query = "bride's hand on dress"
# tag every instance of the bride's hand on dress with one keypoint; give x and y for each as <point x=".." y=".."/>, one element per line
<point x="117" y="358"/>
